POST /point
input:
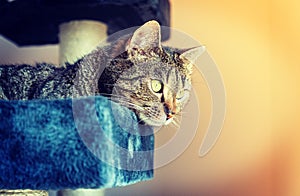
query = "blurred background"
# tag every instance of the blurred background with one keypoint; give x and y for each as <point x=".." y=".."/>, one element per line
<point x="256" y="47"/>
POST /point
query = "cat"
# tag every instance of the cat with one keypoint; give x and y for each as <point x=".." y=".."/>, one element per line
<point x="138" y="72"/>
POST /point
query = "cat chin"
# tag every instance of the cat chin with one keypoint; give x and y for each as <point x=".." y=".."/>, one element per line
<point x="168" y="121"/>
<point x="155" y="122"/>
<point x="159" y="123"/>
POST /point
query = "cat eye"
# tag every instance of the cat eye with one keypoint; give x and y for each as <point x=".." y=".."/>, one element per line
<point x="156" y="86"/>
<point x="180" y="94"/>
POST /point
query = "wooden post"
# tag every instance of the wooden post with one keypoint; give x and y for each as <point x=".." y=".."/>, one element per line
<point x="76" y="39"/>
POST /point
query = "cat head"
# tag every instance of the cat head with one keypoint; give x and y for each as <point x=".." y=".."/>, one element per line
<point x="157" y="85"/>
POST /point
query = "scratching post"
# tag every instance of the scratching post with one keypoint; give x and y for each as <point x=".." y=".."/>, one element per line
<point x="53" y="156"/>
<point x="77" y="38"/>
<point x="38" y="22"/>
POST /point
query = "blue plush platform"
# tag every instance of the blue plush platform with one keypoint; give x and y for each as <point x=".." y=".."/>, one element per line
<point x="73" y="143"/>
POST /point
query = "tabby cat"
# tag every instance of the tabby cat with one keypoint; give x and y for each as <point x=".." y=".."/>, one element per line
<point x="138" y="72"/>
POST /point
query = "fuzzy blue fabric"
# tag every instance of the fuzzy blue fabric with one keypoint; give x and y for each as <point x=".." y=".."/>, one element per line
<point x="87" y="142"/>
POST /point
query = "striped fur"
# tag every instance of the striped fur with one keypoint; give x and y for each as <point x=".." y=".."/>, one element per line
<point x="124" y="76"/>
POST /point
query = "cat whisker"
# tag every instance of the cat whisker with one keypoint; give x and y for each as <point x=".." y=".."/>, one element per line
<point x="179" y="114"/>
<point x="132" y="106"/>
<point x="123" y="101"/>
<point x="182" y="112"/>
<point x="176" y="124"/>
<point x="185" y="115"/>
<point x="127" y="103"/>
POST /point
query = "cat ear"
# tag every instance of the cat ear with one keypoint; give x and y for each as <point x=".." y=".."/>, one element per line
<point x="192" y="54"/>
<point x="147" y="36"/>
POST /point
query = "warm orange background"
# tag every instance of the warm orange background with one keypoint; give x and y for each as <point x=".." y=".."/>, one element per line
<point x="256" y="47"/>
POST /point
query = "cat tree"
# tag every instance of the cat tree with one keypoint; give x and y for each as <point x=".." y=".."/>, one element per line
<point x="41" y="147"/>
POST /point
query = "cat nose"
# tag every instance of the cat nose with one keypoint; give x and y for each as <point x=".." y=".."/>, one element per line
<point x="168" y="111"/>
<point x="169" y="116"/>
